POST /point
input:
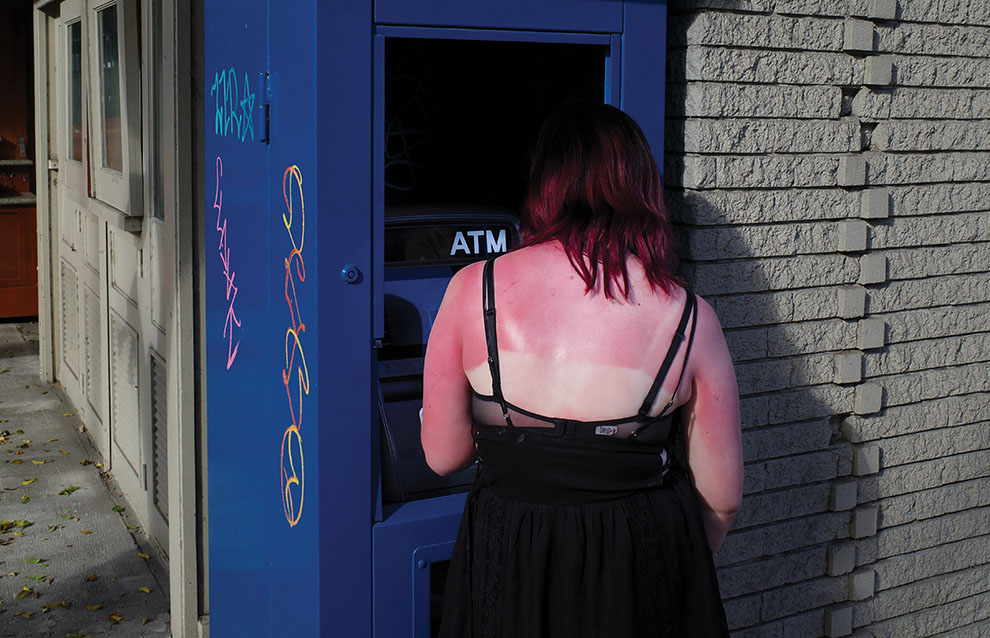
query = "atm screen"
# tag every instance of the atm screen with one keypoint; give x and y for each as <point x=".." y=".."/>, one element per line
<point x="460" y="117"/>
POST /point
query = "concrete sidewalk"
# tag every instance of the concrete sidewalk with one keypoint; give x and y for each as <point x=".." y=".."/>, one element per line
<point x="72" y="560"/>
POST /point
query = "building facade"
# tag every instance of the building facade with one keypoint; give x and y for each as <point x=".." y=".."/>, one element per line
<point x="826" y="164"/>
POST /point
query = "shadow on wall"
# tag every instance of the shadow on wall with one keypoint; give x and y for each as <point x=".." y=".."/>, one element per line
<point x="777" y="569"/>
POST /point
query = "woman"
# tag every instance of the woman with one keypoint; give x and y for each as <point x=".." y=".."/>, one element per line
<point x="580" y="523"/>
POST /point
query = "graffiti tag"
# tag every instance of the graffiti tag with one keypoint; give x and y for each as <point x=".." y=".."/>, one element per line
<point x="234" y="105"/>
<point x="231" y="321"/>
<point x="293" y="471"/>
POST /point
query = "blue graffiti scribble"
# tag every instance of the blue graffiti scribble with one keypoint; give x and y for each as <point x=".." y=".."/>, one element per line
<point x="234" y="105"/>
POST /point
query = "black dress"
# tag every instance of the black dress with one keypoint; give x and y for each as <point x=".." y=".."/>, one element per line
<point x="579" y="528"/>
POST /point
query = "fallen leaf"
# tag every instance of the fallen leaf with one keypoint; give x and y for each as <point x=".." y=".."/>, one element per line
<point x="129" y="526"/>
<point x="64" y="452"/>
<point x="52" y="528"/>
<point x="91" y="578"/>
<point x="66" y="414"/>
<point x="144" y="589"/>
<point x="60" y="603"/>
<point x="37" y="462"/>
<point x="19" y="534"/>
<point x="13" y="573"/>
<point x="76" y="635"/>
<point x="25" y="500"/>
<point x="143" y="555"/>
<point x="25" y="591"/>
<point x="85" y="531"/>
<point x="17" y="461"/>
<point x="145" y="621"/>
<point x="69" y="490"/>
<point x="34" y="561"/>
<point x="51" y="440"/>
<point x="99" y="465"/>
<point x="39" y="577"/>
<point x="28" y="481"/>
<point x="94" y="607"/>
<point x="85" y="462"/>
<point x="25" y="614"/>
<point x="115" y="617"/>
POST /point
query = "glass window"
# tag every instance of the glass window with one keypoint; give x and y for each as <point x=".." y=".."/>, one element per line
<point x="75" y="91"/>
<point x="461" y="115"/>
<point x="110" y="89"/>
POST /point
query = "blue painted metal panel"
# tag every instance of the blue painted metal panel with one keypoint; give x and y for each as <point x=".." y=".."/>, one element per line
<point x="347" y="402"/>
<point x="295" y="549"/>
<point x="237" y="328"/>
<point x="294" y="226"/>
<point x="644" y="60"/>
<point x="401" y="580"/>
<point x="595" y="16"/>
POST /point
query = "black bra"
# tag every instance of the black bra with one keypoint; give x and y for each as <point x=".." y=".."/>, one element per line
<point x="489" y="409"/>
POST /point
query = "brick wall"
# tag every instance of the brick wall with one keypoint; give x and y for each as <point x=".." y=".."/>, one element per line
<point x="828" y="165"/>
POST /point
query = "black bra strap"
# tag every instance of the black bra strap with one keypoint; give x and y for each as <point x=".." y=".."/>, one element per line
<point x="689" y="310"/>
<point x="491" y="337"/>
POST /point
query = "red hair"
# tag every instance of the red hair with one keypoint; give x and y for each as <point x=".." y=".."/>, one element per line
<point x="595" y="188"/>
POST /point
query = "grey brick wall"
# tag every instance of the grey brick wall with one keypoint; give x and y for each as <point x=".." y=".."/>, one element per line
<point x="828" y="167"/>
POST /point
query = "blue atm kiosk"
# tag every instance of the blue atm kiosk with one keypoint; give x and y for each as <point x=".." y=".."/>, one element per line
<point x="356" y="154"/>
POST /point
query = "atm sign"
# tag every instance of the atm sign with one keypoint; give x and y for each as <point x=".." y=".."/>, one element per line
<point x="429" y="243"/>
<point x="469" y="242"/>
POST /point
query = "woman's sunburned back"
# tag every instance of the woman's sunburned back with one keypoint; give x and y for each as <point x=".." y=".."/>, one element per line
<point x="566" y="353"/>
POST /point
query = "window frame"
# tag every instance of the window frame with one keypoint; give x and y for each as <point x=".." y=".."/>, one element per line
<point x="120" y="189"/>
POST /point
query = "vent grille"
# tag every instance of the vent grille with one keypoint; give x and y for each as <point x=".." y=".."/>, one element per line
<point x="70" y="323"/>
<point x="159" y="429"/>
<point x="93" y="351"/>
<point x="124" y="391"/>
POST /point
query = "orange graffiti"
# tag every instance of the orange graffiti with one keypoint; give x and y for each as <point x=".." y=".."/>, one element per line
<point x="293" y="467"/>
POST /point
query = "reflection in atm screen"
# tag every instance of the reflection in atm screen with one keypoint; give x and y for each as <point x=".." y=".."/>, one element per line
<point x="461" y="115"/>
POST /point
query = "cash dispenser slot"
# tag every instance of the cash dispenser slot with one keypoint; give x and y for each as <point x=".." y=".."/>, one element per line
<point x="424" y="247"/>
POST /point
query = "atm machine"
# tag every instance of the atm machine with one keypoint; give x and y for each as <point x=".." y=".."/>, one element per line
<point x="369" y="149"/>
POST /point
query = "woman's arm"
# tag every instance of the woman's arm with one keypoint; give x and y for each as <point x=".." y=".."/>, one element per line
<point x="446" y="427"/>
<point x="712" y="435"/>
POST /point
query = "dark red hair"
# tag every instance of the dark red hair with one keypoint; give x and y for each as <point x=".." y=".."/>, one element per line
<point x="595" y="188"/>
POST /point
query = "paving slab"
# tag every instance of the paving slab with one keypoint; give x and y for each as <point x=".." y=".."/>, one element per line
<point x="73" y="561"/>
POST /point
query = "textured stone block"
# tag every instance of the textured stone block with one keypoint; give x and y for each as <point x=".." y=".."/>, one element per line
<point x="931" y="71"/>
<point x="843" y="495"/>
<point x="872" y="269"/>
<point x="868" y="398"/>
<point x="753" y="100"/>
<point x="879" y="71"/>
<point x="852" y="236"/>
<point x="737" y="135"/>
<point x="870" y="105"/>
<point x="929" y="135"/>
<point x="864" y="522"/>
<point x="848" y="367"/>
<point x="927" y="168"/>
<point x="841" y="559"/>
<point x="861" y="584"/>
<point x="866" y="459"/>
<point x="852" y="170"/>
<point x="767" y="66"/>
<point x="851" y="302"/>
<point x="858" y="35"/>
<point x="870" y="334"/>
<point x="875" y="204"/>
<point x="838" y="621"/>
<point x="882" y="9"/>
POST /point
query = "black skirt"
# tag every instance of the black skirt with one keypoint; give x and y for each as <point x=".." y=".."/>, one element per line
<point x="536" y="558"/>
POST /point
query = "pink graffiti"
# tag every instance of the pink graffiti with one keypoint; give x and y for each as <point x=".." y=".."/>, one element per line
<point x="231" y="320"/>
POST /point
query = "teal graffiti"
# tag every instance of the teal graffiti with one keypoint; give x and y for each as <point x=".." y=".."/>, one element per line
<point x="234" y="105"/>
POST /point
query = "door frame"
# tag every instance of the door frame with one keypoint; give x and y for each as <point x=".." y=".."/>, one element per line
<point x="186" y="474"/>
